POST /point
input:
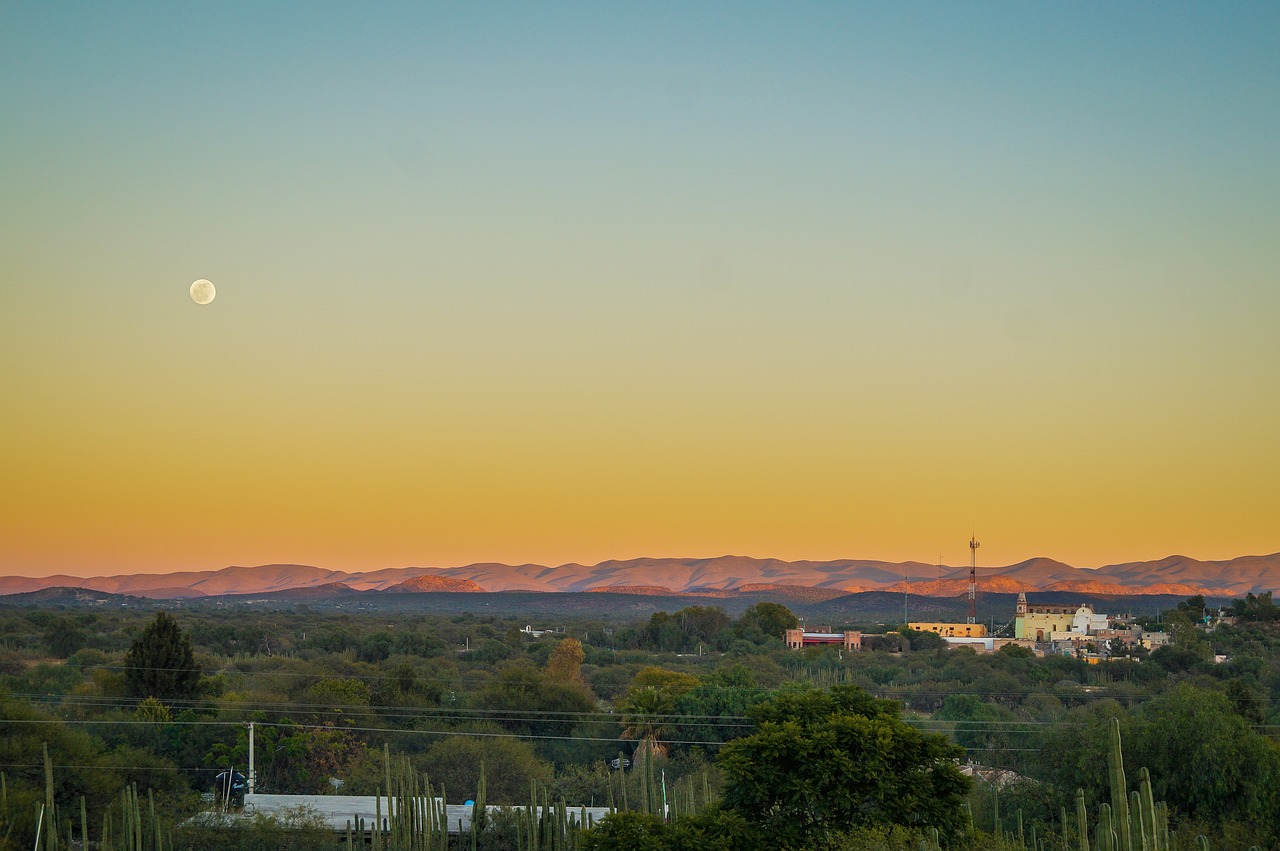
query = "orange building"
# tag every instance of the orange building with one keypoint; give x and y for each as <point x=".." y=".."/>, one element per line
<point x="798" y="638"/>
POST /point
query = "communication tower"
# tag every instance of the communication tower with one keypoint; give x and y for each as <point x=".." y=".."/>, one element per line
<point x="973" y="579"/>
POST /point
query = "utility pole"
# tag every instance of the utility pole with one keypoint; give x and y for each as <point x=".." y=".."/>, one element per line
<point x="973" y="578"/>
<point x="252" y="774"/>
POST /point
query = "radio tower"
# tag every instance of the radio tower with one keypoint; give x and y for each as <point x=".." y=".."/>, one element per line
<point x="973" y="579"/>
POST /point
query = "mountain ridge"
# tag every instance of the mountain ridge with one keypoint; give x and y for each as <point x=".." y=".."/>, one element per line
<point x="710" y="577"/>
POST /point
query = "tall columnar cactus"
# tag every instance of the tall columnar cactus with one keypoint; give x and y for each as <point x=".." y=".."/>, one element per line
<point x="533" y="844"/>
<point x="158" y="843"/>
<point x="413" y="820"/>
<point x="50" y="822"/>
<point x="1155" y="818"/>
<point x="1082" y="821"/>
<point x="1143" y="822"/>
<point x="622" y="779"/>
<point x="479" y="813"/>
<point x="995" y="809"/>
<point x="1119" y="793"/>
<point x="1103" y="838"/>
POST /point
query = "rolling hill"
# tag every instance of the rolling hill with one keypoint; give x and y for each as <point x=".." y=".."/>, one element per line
<point x="726" y="576"/>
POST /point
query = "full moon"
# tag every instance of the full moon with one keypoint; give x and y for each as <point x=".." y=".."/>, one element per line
<point x="202" y="291"/>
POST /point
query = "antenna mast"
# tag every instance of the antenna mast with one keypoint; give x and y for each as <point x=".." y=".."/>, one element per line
<point x="973" y="579"/>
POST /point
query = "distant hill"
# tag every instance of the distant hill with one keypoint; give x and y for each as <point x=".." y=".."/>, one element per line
<point x="77" y="597"/>
<point x="645" y="590"/>
<point x="328" y="589"/>
<point x="790" y="592"/>
<point x="423" y="584"/>
<point x="720" y="578"/>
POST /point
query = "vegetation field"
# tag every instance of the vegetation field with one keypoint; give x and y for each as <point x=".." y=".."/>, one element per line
<point x="697" y="712"/>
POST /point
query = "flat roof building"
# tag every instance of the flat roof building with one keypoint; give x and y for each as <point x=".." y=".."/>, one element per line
<point x="798" y="638"/>
<point x="952" y="630"/>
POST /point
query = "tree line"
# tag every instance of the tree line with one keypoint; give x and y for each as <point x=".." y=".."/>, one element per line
<point x="162" y="700"/>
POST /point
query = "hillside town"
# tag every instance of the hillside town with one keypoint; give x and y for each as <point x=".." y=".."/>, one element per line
<point x="1080" y="631"/>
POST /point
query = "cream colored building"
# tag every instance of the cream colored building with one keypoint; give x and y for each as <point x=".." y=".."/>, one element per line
<point x="1041" y="622"/>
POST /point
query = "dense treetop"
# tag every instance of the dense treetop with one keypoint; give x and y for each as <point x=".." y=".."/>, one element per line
<point x="710" y="699"/>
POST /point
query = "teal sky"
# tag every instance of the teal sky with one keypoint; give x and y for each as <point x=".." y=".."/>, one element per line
<point x="549" y="282"/>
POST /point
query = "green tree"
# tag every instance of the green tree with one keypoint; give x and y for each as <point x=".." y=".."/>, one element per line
<point x="712" y="829"/>
<point x="564" y="665"/>
<point x="981" y="726"/>
<point x="773" y="619"/>
<point x="1220" y="769"/>
<point x="509" y="765"/>
<point x="648" y="709"/>
<point x="1193" y="607"/>
<point x="626" y="831"/>
<point x="292" y="759"/>
<point x="702" y="623"/>
<point x="832" y="761"/>
<point x="922" y="639"/>
<point x="1186" y="636"/>
<point x="524" y="699"/>
<point x="663" y="633"/>
<point x="161" y="663"/>
<point x="376" y="647"/>
<point x="334" y="697"/>
<point x="1217" y="770"/>
<point x="64" y="638"/>
<point x="646" y="717"/>
<point x="714" y="708"/>
<point x="1247" y="699"/>
<point x="1256" y="608"/>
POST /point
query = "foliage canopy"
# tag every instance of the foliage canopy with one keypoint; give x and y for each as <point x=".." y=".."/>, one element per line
<point x="838" y="760"/>
<point x="161" y="663"/>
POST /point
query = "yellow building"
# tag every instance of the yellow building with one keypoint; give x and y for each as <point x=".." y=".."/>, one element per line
<point x="1040" y="622"/>
<point x="952" y="630"/>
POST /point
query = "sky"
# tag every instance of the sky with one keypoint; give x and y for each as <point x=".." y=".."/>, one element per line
<point x="559" y="283"/>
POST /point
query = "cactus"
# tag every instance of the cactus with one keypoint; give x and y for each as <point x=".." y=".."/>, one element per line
<point x="1136" y="832"/>
<point x="533" y="816"/>
<point x="50" y="823"/>
<point x="1082" y="821"/>
<point x="1119" y="797"/>
<point x="995" y="811"/>
<point x="479" y="813"/>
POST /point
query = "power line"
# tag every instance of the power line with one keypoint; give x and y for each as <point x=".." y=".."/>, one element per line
<point x="34" y="767"/>
<point x="360" y="709"/>
<point x="354" y="729"/>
